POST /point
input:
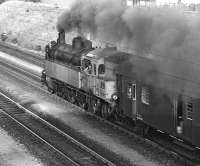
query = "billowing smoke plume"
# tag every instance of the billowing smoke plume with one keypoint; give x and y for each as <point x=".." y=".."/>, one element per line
<point x="170" y="38"/>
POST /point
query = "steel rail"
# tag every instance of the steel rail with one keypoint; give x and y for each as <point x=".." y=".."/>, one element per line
<point x="40" y="138"/>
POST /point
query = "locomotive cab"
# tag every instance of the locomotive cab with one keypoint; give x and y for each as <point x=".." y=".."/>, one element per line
<point x="101" y="73"/>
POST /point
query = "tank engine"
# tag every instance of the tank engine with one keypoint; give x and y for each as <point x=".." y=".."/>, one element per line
<point x="83" y="75"/>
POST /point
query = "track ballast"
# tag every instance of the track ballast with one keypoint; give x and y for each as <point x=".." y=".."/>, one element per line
<point x="77" y="153"/>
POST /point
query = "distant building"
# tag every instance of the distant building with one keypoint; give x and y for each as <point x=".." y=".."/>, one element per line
<point x="172" y="3"/>
<point x="140" y="2"/>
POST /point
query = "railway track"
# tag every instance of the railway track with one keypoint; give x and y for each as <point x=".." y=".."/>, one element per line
<point x="69" y="148"/>
<point x="29" y="56"/>
<point x="164" y="143"/>
<point x="186" y="158"/>
<point x="160" y="142"/>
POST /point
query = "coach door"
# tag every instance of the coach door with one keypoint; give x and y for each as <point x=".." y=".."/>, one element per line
<point x="179" y="110"/>
<point x="131" y="102"/>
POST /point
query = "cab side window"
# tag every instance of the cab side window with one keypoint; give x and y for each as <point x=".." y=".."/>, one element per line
<point x="87" y="66"/>
<point x="101" y="69"/>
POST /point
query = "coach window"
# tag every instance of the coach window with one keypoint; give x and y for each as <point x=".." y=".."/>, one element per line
<point x="101" y="69"/>
<point x="189" y="110"/>
<point x="131" y="91"/>
<point x="145" y="96"/>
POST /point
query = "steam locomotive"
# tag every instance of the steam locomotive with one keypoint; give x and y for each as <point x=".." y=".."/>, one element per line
<point x="92" y="79"/>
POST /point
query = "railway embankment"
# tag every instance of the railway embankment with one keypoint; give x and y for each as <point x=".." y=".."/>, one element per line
<point x="27" y="24"/>
<point x="31" y="26"/>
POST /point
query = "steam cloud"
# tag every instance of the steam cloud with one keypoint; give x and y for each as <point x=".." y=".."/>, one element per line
<point x="170" y="38"/>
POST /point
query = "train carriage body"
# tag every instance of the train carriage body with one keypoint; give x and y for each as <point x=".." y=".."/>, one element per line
<point x="172" y="113"/>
